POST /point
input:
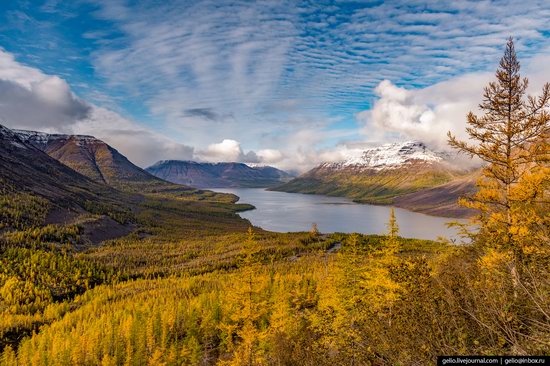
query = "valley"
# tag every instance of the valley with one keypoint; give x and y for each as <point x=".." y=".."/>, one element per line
<point x="292" y="212"/>
<point x="88" y="229"/>
<point x="381" y="254"/>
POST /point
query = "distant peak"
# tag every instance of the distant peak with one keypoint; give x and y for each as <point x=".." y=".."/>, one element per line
<point x="391" y="155"/>
<point x="173" y="161"/>
<point x="222" y="164"/>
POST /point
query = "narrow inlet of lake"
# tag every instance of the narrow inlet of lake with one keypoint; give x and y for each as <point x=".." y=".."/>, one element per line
<point x="286" y="212"/>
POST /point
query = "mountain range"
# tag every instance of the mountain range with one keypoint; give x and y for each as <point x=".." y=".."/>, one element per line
<point x="82" y="180"/>
<point x="407" y="174"/>
<point x="218" y="175"/>
<point x="73" y="170"/>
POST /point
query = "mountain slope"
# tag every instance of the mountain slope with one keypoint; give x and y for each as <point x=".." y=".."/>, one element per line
<point x="381" y="175"/>
<point x="28" y="168"/>
<point x="441" y="200"/>
<point x="91" y="157"/>
<point x="217" y="175"/>
<point x="37" y="189"/>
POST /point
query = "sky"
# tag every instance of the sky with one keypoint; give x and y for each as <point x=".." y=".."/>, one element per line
<point x="285" y="83"/>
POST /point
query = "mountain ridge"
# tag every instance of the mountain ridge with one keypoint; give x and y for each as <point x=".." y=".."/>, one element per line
<point x="218" y="174"/>
<point x="38" y="189"/>
<point x="91" y="157"/>
<point x="381" y="175"/>
<point x="28" y="169"/>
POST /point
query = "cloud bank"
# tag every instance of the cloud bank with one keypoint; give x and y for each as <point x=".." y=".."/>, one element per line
<point x="280" y="82"/>
<point x="424" y="114"/>
<point x="30" y="99"/>
<point x="427" y="114"/>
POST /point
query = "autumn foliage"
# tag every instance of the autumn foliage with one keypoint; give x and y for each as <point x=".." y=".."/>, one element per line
<point x="196" y="286"/>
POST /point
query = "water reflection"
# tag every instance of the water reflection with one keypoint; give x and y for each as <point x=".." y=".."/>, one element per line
<point x="283" y="212"/>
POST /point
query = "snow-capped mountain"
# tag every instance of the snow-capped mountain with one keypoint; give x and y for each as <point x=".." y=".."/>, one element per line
<point x="384" y="174"/>
<point x="388" y="156"/>
<point x="42" y="139"/>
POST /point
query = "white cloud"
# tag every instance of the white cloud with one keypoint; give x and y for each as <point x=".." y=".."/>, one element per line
<point x="427" y="114"/>
<point x="30" y="99"/>
<point x="227" y="150"/>
<point x="270" y="156"/>
<point x="15" y="72"/>
<point x="423" y="114"/>
<point x="396" y="110"/>
<point x="231" y="151"/>
<point x="54" y="90"/>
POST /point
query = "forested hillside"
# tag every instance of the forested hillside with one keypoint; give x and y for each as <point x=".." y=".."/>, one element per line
<point x="194" y="284"/>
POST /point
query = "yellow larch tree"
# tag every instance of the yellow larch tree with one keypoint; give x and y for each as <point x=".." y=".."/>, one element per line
<point x="247" y="309"/>
<point x="391" y="243"/>
<point x="511" y="137"/>
<point x="381" y="290"/>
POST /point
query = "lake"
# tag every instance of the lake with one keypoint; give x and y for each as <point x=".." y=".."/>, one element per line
<point x="284" y="212"/>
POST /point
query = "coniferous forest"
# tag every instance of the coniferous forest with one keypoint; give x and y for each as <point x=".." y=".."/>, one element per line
<point x="194" y="284"/>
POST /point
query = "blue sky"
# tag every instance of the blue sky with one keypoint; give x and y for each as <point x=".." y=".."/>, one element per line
<point x="293" y="79"/>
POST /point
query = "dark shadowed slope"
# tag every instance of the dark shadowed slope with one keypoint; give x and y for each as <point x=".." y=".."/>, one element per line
<point x="26" y="167"/>
<point x="441" y="200"/>
<point x="93" y="158"/>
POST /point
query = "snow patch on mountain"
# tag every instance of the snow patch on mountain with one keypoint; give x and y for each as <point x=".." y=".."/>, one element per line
<point x="387" y="156"/>
<point x="256" y="165"/>
<point x="10" y="136"/>
<point x="42" y="138"/>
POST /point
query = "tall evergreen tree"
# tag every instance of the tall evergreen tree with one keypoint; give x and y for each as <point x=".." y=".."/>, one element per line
<point x="391" y="245"/>
<point x="510" y="138"/>
<point x="250" y="307"/>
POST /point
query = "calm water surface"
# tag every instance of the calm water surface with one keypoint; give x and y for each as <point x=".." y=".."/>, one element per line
<point x="283" y="212"/>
